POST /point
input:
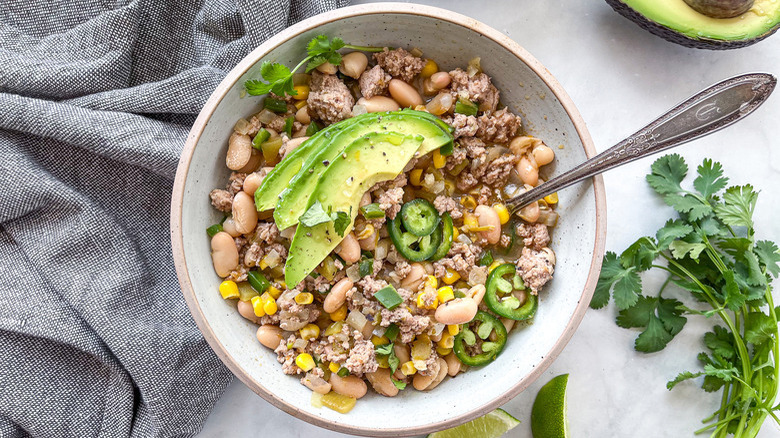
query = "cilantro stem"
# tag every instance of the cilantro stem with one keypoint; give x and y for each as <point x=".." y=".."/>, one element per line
<point x="365" y="48"/>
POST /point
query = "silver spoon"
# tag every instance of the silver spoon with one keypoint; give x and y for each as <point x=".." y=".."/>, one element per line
<point x="708" y="111"/>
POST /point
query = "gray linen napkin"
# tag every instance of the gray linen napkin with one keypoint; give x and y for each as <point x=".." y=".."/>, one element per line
<point x="96" y="99"/>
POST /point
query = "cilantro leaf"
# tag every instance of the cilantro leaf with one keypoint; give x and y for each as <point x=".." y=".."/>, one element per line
<point x="759" y="328"/>
<point x="672" y="230"/>
<point x="626" y="284"/>
<point x="322" y="50"/>
<point x="725" y="374"/>
<point x="637" y="315"/>
<point x="640" y="254"/>
<point x="654" y="338"/>
<point x="768" y="256"/>
<point x="681" y="248"/>
<point x="341" y="221"/>
<point x="683" y="376"/>
<point x="315" y="215"/>
<point x="387" y="350"/>
<point x="734" y="298"/>
<point x="667" y="174"/>
<point x="669" y="312"/>
<point x="384" y="349"/>
<point x="720" y="342"/>
<point x="689" y="204"/>
<point x="738" y="205"/>
<point x="278" y="79"/>
<point x="710" y="180"/>
<point x="398" y="384"/>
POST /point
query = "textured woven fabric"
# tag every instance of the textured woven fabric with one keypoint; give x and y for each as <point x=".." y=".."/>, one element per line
<point x="96" y="99"/>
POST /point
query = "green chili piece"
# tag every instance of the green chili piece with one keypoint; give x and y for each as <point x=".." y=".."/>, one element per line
<point x="392" y="332"/>
<point x="258" y="281"/>
<point x="486" y="259"/>
<point x="412" y="247"/>
<point x="262" y="136"/>
<point x="343" y="372"/>
<point x="466" y="107"/>
<point x="366" y="266"/>
<point x="447" y="234"/>
<point x="275" y="105"/>
<point x="389" y="297"/>
<point x="372" y="211"/>
<point x="288" y="126"/>
<point x="312" y="129"/>
<point x="214" y="229"/>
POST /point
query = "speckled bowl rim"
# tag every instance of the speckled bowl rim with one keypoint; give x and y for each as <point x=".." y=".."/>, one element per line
<point x="230" y="81"/>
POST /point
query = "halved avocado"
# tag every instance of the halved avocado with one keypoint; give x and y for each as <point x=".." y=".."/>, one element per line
<point x="293" y="200"/>
<point x="375" y="157"/>
<point x="676" y="21"/>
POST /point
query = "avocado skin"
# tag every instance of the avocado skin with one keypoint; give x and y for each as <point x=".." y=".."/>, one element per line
<point x="677" y="38"/>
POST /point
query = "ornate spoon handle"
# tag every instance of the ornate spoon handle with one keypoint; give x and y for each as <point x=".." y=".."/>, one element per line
<point x="708" y="111"/>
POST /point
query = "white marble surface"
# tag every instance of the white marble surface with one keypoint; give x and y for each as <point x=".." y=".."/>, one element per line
<point x="620" y="77"/>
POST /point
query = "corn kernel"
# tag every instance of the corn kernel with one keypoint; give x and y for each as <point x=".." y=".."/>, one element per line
<point x="445" y="294"/>
<point x="274" y="292"/>
<point x="304" y="298"/>
<point x="443" y="351"/>
<point x="447" y="340"/>
<point x="367" y="231"/>
<point x="430" y="68"/>
<point x="270" y="307"/>
<point x="469" y="221"/>
<point x="421" y="108"/>
<point x="304" y="361"/>
<point x="408" y="368"/>
<point x="503" y="213"/>
<point x="439" y="160"/>
<point x="340" y="314"/>
<point x="263" y="264"/>
<point x="551" y="198"/>
<point x="468" y="202"/>
<point x="228" y="289"/>
<point x="300" y="104"/>
<point x="257" y="305"/>
<point x="432" y="282"/>
<point x="453" y="329"/>
<point x="309" y="332"/>
<point x="303" y="92"/>
<point x="282" y="284"/>
<point x="450" y="276"/>
<point x="455" y="233"/>
<point x="415" y="177"/>
<point x="494" y="265"/>
<point x="379" y="340"/>
<point x="421" y="303"/>
<point x="334" y="367"/>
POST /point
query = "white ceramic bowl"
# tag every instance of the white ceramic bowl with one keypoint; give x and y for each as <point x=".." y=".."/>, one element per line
<point x="528" y="89"/>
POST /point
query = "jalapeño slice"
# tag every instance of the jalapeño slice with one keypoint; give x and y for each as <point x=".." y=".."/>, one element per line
<point x="413" y="248"/>
<point x="490" y="349"/>
<point x="500" y="297"/>
<point x="419" y="217"/>
<point x="446" y="238"/>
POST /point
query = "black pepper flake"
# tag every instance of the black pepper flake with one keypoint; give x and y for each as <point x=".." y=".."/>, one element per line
<point x="325" y="162"/>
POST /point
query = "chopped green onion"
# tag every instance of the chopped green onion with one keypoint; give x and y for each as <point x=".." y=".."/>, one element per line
<point x="366" y="267"/>
<point x="258" y="281"/>
<point x="312" y="129"/>
<point x="343" y="372"/>
<point x="392" y="332"/>
<point x="288" y="125"/>
<point x="465" y="107"/>
<point x="389" y="297"/>
<point x="214" y="229"/>
<point x="372" y="211"/>
<point x="262" y="136"/>
<point x="275" y="105"/>
<point x="486" y="259"/>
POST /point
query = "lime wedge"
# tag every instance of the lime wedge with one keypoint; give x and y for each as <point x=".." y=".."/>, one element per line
<point x="492" y="425"/>
<point x="548" y="416"/>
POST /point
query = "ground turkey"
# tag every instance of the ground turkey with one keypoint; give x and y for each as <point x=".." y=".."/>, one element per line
<point x="476" y="89"/>
<point x="535" y="236"/>
<point x="329" y="99"/>
<point x="498" y="127"/>
<point x="465" y="126"/>
<point x="361" y="359"/>
<point x="535" y="268"/>
<point x="390" y="201"/>
<point x="409" y="325"/>
<point x="498" y="170"/>
<point x="374" y="82"/>
<point x="446" y="203"/>
<point x="400" y="63"/>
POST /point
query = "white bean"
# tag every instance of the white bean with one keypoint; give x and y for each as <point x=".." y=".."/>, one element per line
<point x="530" y="213"/>
<point x="316" y="383"/>
<point x="414" y="277"/>
<point x="353" y="64"/>
<point x="224" y="254"/>
<point x="337" y="295"/>
<point x="440" y="80"/>
<point x="509" y="323"/>
<point x="520" y="145"/>
<point x="349" y="249"/>
<point x="239" y="151"/>
<point x="244" y="213"/>
<point x="351" y="386"/>
<point x="421" y="382"/>
<point x="269" y="335"/>
<point x="440" y="104"/>
<point x="229" y="226"/>
<point x="252" y="182"/>
<point x="476" y="293"/>
<point x="382" y="383"/>
<point x="246" y="310"/>
<point x="404" y="94"/>
<point x="487" y="216"/>
<point x="292" y="144"/>
<point x="365" y="200"/>
<point x="302" y="115"/>
<point x="528" y="170"/>
<point x="327" y="68"/>
<point x="457" y="311"/>
<point x="369" y="243"/>
<point x="402" y="353"/>
<point x="453" y="364"/>
<point x="443" y="370"/>
<point x="378" y="104"/>
<point x="543" y="155"/>
<point x="255" y="160"/>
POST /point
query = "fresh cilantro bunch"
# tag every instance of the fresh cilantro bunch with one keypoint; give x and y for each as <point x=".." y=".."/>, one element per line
<point x="279" y="79"/>
<point x="711" y="252"/>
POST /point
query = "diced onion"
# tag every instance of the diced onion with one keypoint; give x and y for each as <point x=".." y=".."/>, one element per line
<point x="548" y="217"/>
<point x="437" y="329"/>
<point x="266" y="116"/>
<point x="356" y="320"/>
<point x="358" y="110"/>
<point x="381" y="249"/>
<point x="288" y="232"/>
<point x="353" y="272"/>
<point x="474" y="67"/>
<point x="300" y="344"/>
<point x="272" y="258"/>
<point x="242" y="126"/>
<point x="416" y="52"/>
<point x="462" y="238"/>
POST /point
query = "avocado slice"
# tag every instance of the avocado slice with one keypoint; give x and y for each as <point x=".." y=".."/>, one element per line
<point x="375" y="157"/>
<point x="676" y="21"/>
<point x="293" y="200"/>
<point x="277" y="180"/>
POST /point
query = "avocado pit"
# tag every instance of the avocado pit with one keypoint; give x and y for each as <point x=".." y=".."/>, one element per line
<point x="721" y="8"/>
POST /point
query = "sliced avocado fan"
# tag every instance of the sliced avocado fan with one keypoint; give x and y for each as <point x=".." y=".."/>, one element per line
<point x="373" y="158"/>
<point x="293" y="200"/>
<point x="676" y="21"/>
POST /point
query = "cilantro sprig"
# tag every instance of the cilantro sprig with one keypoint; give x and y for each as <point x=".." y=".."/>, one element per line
<point x="316" y="215"/>
<point x="278" y="78"/>
<point x="710" y="252"/>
